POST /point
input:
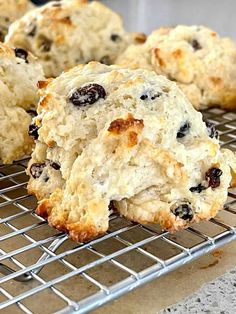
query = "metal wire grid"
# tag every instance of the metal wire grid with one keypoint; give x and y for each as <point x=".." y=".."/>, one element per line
<point x="71" y="277"/>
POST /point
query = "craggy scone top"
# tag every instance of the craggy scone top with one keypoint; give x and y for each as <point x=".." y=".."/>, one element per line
<point x="11" y="10"/>
<point x="19" y="75"/>
<point x="66" y="33"/>
<point x="112" y="137"/>
<point x="201" y="62"/>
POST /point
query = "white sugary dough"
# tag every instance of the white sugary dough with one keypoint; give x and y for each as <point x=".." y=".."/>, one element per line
<point x="201" y="62"/>
<point x="11" y="10"/>
<point x="122" y="148"/>
<point x="18" y="90"/>
<point x="66" y="33"/>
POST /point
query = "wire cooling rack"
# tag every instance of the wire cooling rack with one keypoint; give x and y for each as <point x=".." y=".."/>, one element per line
<point x="40" y="267"/>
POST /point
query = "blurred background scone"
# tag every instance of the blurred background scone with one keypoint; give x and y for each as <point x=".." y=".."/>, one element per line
<point x="202" y="63"/>
<point x="19" y="75"/>
<point x="66" y="33"/>
<point x="11" y="10"/>
<point x="110" y="136"/>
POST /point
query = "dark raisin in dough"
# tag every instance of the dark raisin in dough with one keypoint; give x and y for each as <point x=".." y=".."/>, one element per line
<point x="156" y="96"/>
<point x="33" y="131"/>
<point x="106" y="60"/>
<point x="46" y="179"/>
<point x="184" y="212"/>
<point x="87" y="94"/>
<point x="184" y="129"/>
<point x="145" y="96"/>
<point x="21" y="53"/>
<point x="55" y="166"/>
<point x="199" y="188"/>
<point x="213" y="177"/>
<point x="36" y="170"/>
<point x="115" y="38"/>
<point x="213" y="133"/>
<point x="33" y="113"/>
<point x="195" y="44"/>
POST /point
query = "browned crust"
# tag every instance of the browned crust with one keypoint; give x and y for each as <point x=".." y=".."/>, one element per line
<point x="65" y="20"/>
<point x="178" y="53"/>
<point x="44" y="209"/>
<point x="45" y="100"/>
<point x="120" y="126"/>
<point x="81" y="233"/>
<point x="140" y="38"/>
<point x="77" y="232"/>
<point x="43" y="84"/>
<point x="216" y="81"/>
<point x="171" y="223"/>
<point x="131" y="126"/>
<point x="157" y="54"/>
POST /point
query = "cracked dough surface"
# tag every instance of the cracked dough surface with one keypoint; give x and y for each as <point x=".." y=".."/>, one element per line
<point x="120" y="135"/>
<point x="11" y="10"/>
<point x="201" y="62"/>
<point x="18" y="90"/>
<point x="66" y="33"/>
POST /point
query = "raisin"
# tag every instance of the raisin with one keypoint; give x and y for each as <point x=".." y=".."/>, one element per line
<point x="33" y="113"/>
<point x="184" y="129"/>
<point x="21" y="53"/>
<point x="87" y="94"/>
<point x="152" y="97"/>
<point x="199" y="188"/>
<point x="36" y="170"/>
<point x="195" y="44"/>
<point x="212" y="132"/>
<point x="115" y="38"/>
<point x="213" y="177"/>
<point x="143" y="97"/>
<point x="55" y="166"/>
<point x="105" y="60"/>
<point x="33" y="131"/>
<point x="184" y="212"/>
<point x="46" y="179"/>
<point x="156" y="96"/>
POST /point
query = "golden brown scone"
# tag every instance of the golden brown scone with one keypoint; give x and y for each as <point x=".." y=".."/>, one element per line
<point x="11" y="10"/>
<point x="19" y="74"/>
<point x="202" y="63"/>
<point x="66" y="33"/>
<point x="128" y="136"/>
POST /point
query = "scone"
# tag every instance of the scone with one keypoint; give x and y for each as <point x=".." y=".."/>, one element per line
<point x="11" y="10"/>
<point x="66" y="33"/>
<point x="202" y="63"/>
<point x="19" y="74"/>
<point x="129" y="139"/>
